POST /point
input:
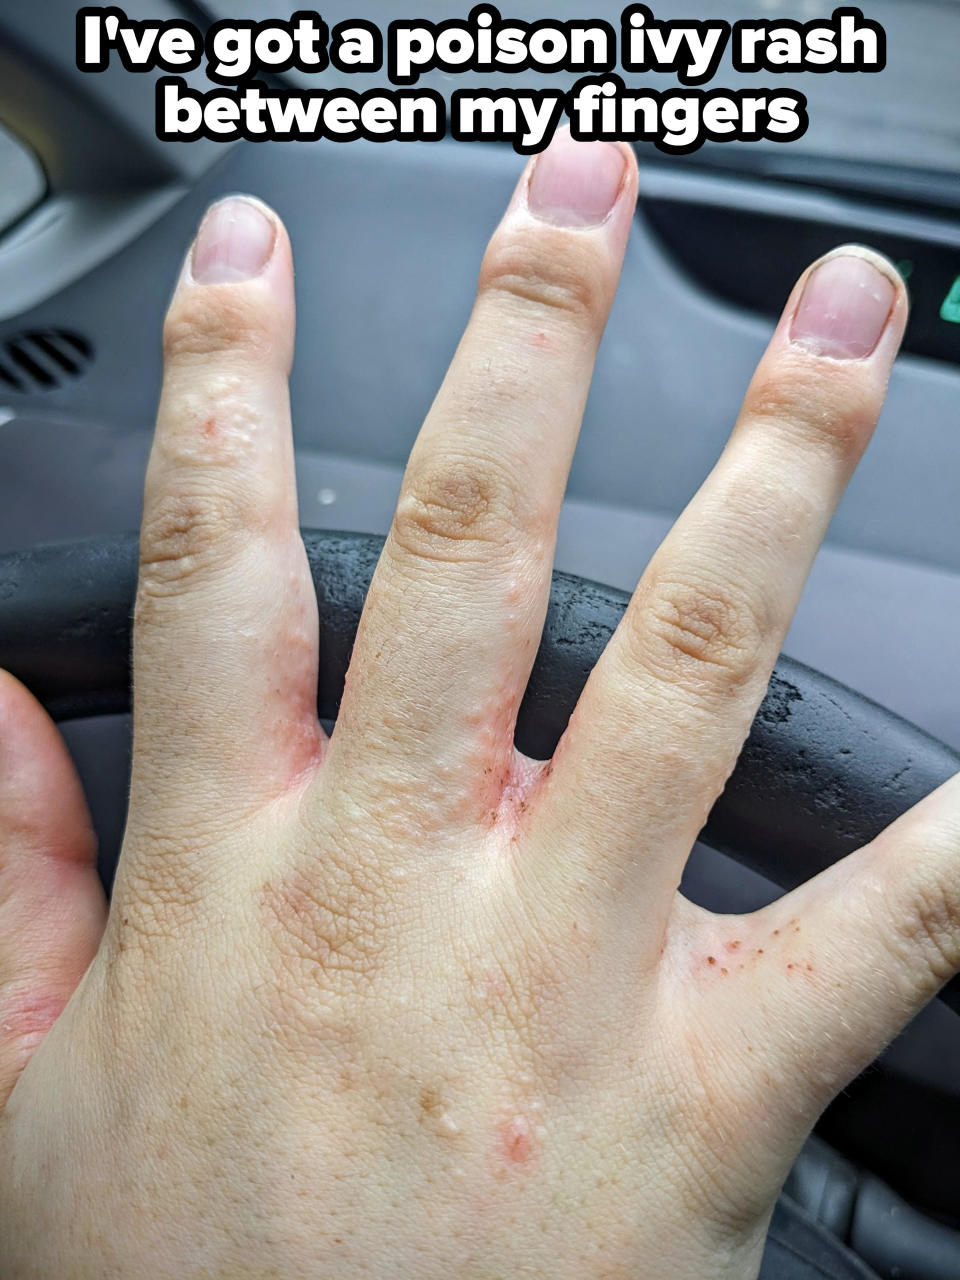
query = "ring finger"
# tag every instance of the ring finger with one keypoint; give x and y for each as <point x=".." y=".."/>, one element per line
<point x="454" y="612"/>
<point x="666" y="711"/>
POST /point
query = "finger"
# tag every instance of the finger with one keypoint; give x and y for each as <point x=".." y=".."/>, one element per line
<point x="225" y="651"/>
<point x="855" y="952"/>
<point x="665" y="712"/>
<point x="52" y="908"/>
<point x="455" y="610"/>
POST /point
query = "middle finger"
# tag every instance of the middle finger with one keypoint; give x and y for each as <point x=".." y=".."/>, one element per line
<point x="454" y="613"/>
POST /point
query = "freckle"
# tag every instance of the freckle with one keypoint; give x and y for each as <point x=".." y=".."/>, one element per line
<point x="776" y="933"/>
<point x="431" y="1102"/>
<point x="790" y="966"/>
<point x="759" y="951"/>
<point x="724" y="972"/>
<point x="734" y="945"/>
<point x="809" y="968"/>
<point x="711" y="959"/>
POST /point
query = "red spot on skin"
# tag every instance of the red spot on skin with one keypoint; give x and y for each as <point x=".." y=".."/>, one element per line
<point x="209" y="428"/>
<point x="790" y="966"/>
<point x="516" y="1140"/>
<point x="518" y="783"/>
<point x="809" y="968"/>
<point x="734" y="945"/>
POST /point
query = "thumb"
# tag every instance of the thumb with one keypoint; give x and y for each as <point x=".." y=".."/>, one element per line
<point x="52" y="907"/>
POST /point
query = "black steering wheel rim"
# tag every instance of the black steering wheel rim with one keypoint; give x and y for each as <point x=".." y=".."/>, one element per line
<point x="823" y="771"/>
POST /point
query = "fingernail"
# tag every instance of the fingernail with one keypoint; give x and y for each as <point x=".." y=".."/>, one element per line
<point x="844" y="309"/>
<point x="235" y="242"/>
<point x="576" y="184"/>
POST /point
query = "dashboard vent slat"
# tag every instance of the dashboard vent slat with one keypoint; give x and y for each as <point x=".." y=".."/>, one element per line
<point x="43" y="359"/>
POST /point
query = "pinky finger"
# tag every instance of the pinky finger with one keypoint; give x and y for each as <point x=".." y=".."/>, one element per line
<point x="870" y="940"/>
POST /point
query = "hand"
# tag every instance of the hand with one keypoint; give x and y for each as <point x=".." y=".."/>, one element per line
<point x="403" y="1003"/>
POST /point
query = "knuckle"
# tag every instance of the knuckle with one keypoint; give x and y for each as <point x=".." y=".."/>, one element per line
<point x="187" y="534"/>
<point x="832" y="409"/>
<point x="929" y="928"/>
<point x="456" y="509"/>
<point x="691" y="629"/>
<point x="204" y="323"/>
<point x="547" y="273"/>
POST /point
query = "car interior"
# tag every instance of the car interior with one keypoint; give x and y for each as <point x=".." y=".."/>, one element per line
<point x="96" y="212"/>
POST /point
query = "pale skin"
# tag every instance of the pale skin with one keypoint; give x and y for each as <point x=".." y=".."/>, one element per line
<point x="402" y="1002"/>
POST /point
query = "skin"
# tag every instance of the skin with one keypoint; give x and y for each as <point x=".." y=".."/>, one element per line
<point x="404" y="1003"/>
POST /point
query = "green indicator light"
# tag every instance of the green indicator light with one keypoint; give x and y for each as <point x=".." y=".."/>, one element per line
<point x="950" y="311"/>
<point x="905" y="267"/>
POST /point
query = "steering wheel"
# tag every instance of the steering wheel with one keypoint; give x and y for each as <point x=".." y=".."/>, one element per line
<point x="823" y="771"/>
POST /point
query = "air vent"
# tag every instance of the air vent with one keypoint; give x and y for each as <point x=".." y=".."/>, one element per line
<point x="43" y="359"/>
